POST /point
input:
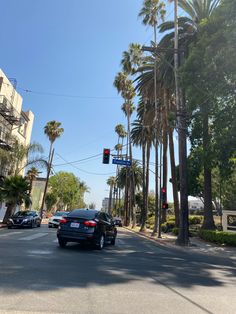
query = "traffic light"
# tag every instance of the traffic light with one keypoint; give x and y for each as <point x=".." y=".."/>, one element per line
<point x="165" y="206"/>
<point x="163" y="195"/>
<point x="106" y="155"/>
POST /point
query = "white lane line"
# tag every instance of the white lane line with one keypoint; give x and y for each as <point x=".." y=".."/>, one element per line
<point x="34" y="236"/>
<point x="10" y="233"/>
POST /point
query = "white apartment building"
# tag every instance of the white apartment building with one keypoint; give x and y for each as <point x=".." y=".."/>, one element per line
<point x="13" y="121"/>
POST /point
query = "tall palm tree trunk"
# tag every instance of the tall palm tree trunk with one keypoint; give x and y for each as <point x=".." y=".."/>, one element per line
<point x="208" y="222"/>
<point x="9" y="212"/>
<point x="156" y="186"/>
<point x="143" y="209"/>
<point x="147" y="182"/>
<point x="183" y="236"/>
<point x="110" y="200"/>
<point x="165" y="148"/>
<point x="173" y="177"/>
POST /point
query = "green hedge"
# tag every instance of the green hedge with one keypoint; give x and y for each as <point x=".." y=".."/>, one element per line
<point x="195" y="220"/>
<point x="167" y="226"/>
<point x="218" y="237"/>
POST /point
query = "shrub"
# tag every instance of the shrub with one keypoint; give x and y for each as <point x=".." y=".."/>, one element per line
<point x="195" y="220"/>
<point x="218" y="237"/>
<point x="168" y="226"/>
<point x="175" y="231"/>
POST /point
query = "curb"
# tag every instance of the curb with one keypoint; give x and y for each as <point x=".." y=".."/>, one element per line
<point x="152" y="239"/>
<point x="191" y="248"/>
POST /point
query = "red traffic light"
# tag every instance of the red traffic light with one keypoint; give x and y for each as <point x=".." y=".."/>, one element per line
<point x="165" y="206"/>
<point x="163" y="190"/>
<point x="106" y="156"/>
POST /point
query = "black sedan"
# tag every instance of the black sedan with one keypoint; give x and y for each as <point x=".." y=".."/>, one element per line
<point x="26" y="218"/>
<point x="87" y="226"/>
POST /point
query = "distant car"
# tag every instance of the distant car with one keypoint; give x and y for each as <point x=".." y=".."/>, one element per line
<point x="87" y="226"/>
<point x="118" y="221"/>
<point x="55" y="219"/>
<point x="26" y="218"/>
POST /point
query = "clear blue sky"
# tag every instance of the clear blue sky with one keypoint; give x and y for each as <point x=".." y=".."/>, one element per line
<point x="72" y="47"/>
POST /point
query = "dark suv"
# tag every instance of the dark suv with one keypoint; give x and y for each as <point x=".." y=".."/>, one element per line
<point x="87" y="226"/>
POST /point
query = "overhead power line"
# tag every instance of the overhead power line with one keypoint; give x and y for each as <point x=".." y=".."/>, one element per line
<point x="53" y="94"/>
<point x="82" y="170"/>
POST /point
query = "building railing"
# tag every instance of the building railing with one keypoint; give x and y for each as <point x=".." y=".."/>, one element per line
<point x="9" y="113"/>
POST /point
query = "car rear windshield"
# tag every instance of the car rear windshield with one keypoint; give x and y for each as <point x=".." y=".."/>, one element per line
<point x="83" y="213"/>
<point x="60" y="213"/>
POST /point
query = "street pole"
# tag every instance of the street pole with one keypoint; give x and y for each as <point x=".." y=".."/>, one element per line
<point x="183" y="237"/>
<point x="46" y="183"/>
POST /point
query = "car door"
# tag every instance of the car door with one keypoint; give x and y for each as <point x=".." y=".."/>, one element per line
<point x="104" y="224"/>
<point x="110" y="226"/>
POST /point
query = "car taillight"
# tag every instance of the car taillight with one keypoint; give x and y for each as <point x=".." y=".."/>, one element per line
<point x="63" y="221"/>
<point x="90" y="223"/>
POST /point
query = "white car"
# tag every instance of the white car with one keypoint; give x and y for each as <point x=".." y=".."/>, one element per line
<point x="55" y="220"/>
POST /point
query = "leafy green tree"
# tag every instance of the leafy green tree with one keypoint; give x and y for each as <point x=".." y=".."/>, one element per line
<point x="14" y="191"/>
<point x="213" y="80"/>
<point x="50" y="201"/>
<point x="68" y="190"/>
<point x="31" y="176"/>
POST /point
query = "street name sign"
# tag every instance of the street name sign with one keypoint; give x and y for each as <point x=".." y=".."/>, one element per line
<point x="121" y="162"/>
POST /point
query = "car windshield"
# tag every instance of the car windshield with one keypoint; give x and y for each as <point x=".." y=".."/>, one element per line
<point x="60" y="213"/>
<point x="24" y="213"/>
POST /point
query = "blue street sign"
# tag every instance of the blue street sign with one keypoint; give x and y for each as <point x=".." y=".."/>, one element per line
<point x="121" y="162"/>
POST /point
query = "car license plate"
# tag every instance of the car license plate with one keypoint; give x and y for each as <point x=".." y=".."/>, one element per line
<point x="74" y="225"/>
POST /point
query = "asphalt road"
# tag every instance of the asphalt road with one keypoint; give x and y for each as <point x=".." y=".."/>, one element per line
<point x="135" y="276"/>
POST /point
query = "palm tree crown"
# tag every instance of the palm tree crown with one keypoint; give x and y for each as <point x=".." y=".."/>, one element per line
<point x="53" y="131"/>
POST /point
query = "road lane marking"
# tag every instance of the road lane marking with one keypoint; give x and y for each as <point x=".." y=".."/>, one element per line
<point x="10" y="233"/>
<point x="34" y="236"/>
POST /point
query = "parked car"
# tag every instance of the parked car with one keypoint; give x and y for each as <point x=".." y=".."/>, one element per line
<point x="55" y="219"/>
<point x="87" y="226"/>
<point x="26" y="218"/>
<point x="118" y="221"/>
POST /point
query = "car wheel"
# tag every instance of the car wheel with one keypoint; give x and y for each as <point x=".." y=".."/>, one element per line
<point x="101" y="242"/>
<point x="9" y="227"/>
<point x="62" y="243"/>
<point x="49" y="226"/>
<point x="39" y="225"/>
<point x="113" y="241"/>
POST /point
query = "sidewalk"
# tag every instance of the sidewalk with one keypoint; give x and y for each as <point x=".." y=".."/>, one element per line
<point x="196" y="244"/>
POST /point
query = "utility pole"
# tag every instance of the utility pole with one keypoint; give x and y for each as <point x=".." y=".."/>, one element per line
<point x="183" y="237"/>
<point x="46" y="183"/>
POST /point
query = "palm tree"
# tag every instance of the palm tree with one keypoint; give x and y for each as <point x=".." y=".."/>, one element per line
<point x="31" y="176"/>
<point x="53" y="131"/>
<point x="20" y="156"/>
<point x="132" y="59"/>
<point x="137" y="170"/>
<point x="111" y="182"/>
<point x="198" y="11"/>
<point x="151" y="13"/>
<point x="120" y="130"/>
<point x="14" y="191"/>
<point x="125" y="88"/>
